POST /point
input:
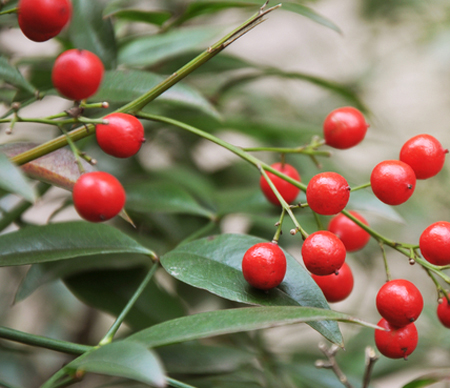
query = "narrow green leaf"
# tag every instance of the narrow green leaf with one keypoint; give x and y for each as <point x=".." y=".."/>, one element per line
<point x="39" y="244"/>
<point x="221" y="322"/>
<point x="152" y="17"/>
<point x="310" y="14"/>
<point x="429" y="379"/>
<point x="11" y="75"/>
<point x="214" y="264"/>
<point x="13" y="180"/>
<point x="163" y="197"/>
<point x="122" y="359"/>
<point x="90" y="31"/>
<point x="123" y="86"/>
<point x="149" y="50"/>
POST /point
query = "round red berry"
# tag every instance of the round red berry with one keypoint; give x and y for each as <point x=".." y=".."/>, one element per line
<point x="41" y="20"/>
<point x="337" y="286"/>
<point x="327" y="193"/>
<point x="122" y="137"/>
<point x="264" y="265"/>
<point x="287" y="190"/>
<point x="323" y="253"/>
<point x="424" y="154"/>
<point x="434" y="243"/>
<point x="443" y="312"/>
<point x="98" y="196"/>
<point x="77" y="74"/>
<point x="399" y="302"/>
<point x="393" y="181"/>
<point x="396" y="342"/>
<point x="352" y="235"/>
<point x="344" y="128"/>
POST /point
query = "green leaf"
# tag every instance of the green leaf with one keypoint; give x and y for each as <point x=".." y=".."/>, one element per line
<point x="310" y="14"/>
<point x="90" y="31"/>
<point x="429" y="379"/>
<point x="163" y="197"/>
<point x="12" y="76"/>
<point x="13" y="180"/>
<point x="221" y="322"/>
<point x="122" y="359"/>
<point x="214" y="264"/>
<point x="40" y="274"/>
<point x="152" y="17"/>
<point x="40" y="244"/>
<point x="149" y="50"/>
<point x="124" y="86"/>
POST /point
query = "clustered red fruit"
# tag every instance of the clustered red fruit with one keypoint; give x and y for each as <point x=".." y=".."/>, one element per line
<point x="98" y="196"/>
<point x="77" y="74"/>
<point x="434" y="243"/>
<point x="122" y="137"/>
<point x="264" y="265"/>
<point x="443" y="312"/>
<point x="337" y="286"/>
<point x="352" y="235"/>
<point x="41" y="20"/>
<point x="287" y="190"/>
<point x="396" y="342"/>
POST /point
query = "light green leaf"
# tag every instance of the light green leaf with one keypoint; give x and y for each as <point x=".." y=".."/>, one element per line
<point x="221" y="322"/>
<point x="214" y="264"/>
<point x="11" y="75"/>
<point x="39" y="244"/>
<point x="152" y="17"/>
<point x="439" y="375"/>
<point x="122" y="359"/>
<point x="13" y="180"/>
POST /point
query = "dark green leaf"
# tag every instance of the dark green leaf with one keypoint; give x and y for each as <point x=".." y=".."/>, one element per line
<point x="13" y="180"/>
<point x="164" y="197"/>
<point x="221" y="322"/>
<point x="310" y="14"/>
<point x="149" y="50"/>
<point x="124" y="86"/>
<point x="214" y="264"/>
<point x="151" y="17"/>
<point x="12" y="76"/>
<point x="123" y="359"/>
<point x="90" y="31"/>
<point x="429" y="379"/>
<point x="61" y="241"/>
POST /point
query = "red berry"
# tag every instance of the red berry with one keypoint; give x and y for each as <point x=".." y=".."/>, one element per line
<point x="337" y="286"/>
<point x="327" y="193"/>
<point x="98" y="196"/>
<point x="399" y="302"/>
<point x="393" y="182"/>
<point x="344" y="128"/>
<point x="287" y="190"/>
<point x="434" y="243"/>
<point x="396" y="342"/>
<point x="122" y="137"/>
<point x="323" y="253"/>
<point x="443" y="312"/>
<point x="424" y="154"/>
<point x="77" y="74"/>
<point x="353" y="236"/>
<point x="41" y="20"/>
<point x="264" y="265"/>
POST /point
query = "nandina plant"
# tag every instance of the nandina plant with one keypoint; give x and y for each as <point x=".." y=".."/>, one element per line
<point x="158" y="239"/>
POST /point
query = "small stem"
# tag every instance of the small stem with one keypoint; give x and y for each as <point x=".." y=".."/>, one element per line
<point x="440" y="290"/>
<point x="332" y="364"/>
<point x="178" y="384"/>
<point x="119" y="320"/>
<point x="279" y="225"/>
<point x="318" y="221"/>
<point x="365" y="185"/>
<point x="371" y="359"/>
<point x="12" y="10"/>
<point x="299" y="150"/>
<point x="76" y="152"/>
<point x="386" y="266"/>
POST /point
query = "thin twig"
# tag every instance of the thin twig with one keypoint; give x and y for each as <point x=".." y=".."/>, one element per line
<point x="332" y="364"/>
<point x="371" y="358"/>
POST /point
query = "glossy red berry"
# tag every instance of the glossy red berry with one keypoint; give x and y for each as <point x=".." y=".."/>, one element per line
<point x="353" y="236"/>
<point x="396" y="342"/>
<point x="434" y="243"/>
<point x="443" y="312"/>
<point x="287" y="190"/>
<point x="77" y="74"/>
<point x="344" y="128"/>
<point x="264" y="265"/>
<point x="337" y="286"/>
<point x="98" y="196"/>
<point x="393" y="181"/>
<point x="424" y="154"/>
<point x="327" y="193"/>
<point x="399" y="302"/>
<point x="122" y="137"/>
<point x="41" y="20"/>
<point x="323" y="253"/>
